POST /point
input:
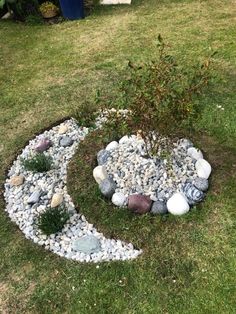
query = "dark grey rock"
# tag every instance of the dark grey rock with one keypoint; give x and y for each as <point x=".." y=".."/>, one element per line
<point x="201" y="184"/>
<point x="102" y="156"/>
<point x="88" y="244"/>
<point x="159" y="207"/>
<point x="107" y="187"/>
<point x="34" y="197"/>
<point x="66" y="141"/>
<point x="192" y="194"/>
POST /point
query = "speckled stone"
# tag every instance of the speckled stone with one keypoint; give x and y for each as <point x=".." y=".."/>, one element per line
<point x="66" y="141"/>
<point x="159" y="207"/>
<point x="201" y="184"/>
<point x="102" y="156"/>
<point x="107" y="187"/>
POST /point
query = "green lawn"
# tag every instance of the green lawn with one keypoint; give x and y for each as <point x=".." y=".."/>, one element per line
<point x="46" y="72"/>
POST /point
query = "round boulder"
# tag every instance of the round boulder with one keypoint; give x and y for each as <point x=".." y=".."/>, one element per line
<point x="119" y="199"/>
<point x="203" y="168"/>
<point x="102" y="156"/>
<point x="192" y="194"/>
<point x="107" y="187"/>
<point x="139" y="204"/>
<point x="112" y="145"/>
<point x="159" y="207"/>
<point x="177" y="205"/>
<point x="100" y="174"/>
<point x="201" y="184"/>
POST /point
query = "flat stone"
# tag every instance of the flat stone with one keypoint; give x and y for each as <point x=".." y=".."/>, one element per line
<point x="57" y="199"/>
<point x="34" y="197"/>
<point x="111" y="146"/>
<point x="43" y="145"/>
<point x="194" y="153"/>
<point x="88" y="244"/>
<point x="119" y="199"/>
<point x="201" y="184"/>
<point x="100" y="174"/>
<point x="139" y="204"/>
<point x="159" y="207"/>
<point x="177" y="205"/>
<point x="63" y="128"/>
<point x="107" y="187"/>
<point x="192" y="194"/>
<point x="66" y="141"/>
<point x="17" y="180"/>
<point x="102" y="156"/>
<point x="203" y="168"/>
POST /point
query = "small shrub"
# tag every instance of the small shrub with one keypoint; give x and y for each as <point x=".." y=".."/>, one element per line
<point x="53" y="220"/>
<point x="39" y="163"/>
<point x="162" y="97"/>
<point x="85" y="115"/>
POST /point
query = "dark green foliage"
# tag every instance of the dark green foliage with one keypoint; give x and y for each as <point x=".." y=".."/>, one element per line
<point x="53" y="220"/>
<point x="24" y="8"/>
<point x="86" y="114"/>
<point x="39" y="163"/>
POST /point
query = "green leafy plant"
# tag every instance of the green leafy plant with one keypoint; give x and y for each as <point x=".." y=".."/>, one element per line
<point x="162" y="96"/>
<point x="21" y="8"/>
<point x="39" y="163"/>
<point x="53" y="220"/>
<point x="85" y="114"/>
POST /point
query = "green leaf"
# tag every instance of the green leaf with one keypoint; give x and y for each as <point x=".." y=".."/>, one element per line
<point x="2" y="2"/>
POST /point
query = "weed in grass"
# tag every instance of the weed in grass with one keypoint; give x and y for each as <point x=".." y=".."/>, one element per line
<point x="39" y="163"/>
<point x="53" y="220"/>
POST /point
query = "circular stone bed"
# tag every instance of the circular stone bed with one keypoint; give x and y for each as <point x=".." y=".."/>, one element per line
<point x="29" y="194"/>
<point x="172" y="181"/>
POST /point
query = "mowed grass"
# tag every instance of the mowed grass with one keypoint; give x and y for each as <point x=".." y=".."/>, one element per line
<point x="46" y="72"/>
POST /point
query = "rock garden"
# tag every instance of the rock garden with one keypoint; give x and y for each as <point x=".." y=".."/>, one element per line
<point x="146" y="169"/>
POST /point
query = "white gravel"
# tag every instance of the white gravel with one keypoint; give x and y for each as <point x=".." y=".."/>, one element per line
<point x="55" y="181"/>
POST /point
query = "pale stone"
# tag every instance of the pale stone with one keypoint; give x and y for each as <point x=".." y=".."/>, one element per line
<point x="119" y="199"/>
<point x="63" y="128"/>
<point x="17" y="180"/>
<point x="100" y="174"/>
<point x="57" y="199"/>
<point x="194" y="153"/>
<point x="112" y="145"/>
<point x="203" y="168"/>
<point x="124" y="139"/>
<point x="177" y="205"/>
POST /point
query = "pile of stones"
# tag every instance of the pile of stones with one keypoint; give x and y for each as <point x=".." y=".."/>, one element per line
<point x="29" y="194"/>
<point x="159" y="185"/>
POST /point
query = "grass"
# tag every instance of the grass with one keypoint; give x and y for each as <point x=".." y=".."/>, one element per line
<point x="188" y="265"/>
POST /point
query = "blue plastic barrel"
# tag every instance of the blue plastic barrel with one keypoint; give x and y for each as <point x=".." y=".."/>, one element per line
<point x="72" y="9"/>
